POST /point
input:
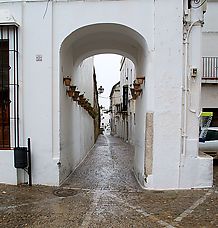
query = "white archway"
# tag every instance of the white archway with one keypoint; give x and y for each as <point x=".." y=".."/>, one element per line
<point x="108" y="38"/>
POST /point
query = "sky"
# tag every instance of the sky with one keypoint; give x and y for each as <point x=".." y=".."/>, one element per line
<point x="107" y="68"/>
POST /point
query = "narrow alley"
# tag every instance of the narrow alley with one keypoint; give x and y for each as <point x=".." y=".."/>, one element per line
<point x="103" y="192"/>
<point x="108" y="166"/>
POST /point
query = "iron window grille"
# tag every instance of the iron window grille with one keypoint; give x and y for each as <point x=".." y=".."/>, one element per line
<point x="9" y="88"/>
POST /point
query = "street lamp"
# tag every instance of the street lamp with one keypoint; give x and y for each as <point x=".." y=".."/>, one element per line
<point x="100" y="90"/>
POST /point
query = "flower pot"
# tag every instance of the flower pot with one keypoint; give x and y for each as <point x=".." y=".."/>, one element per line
<point x="132" y="91"/>
<point x="81" y="97"/>
<point x="76" y="94"/>
<point x="70" y="93"/>
<point x="74" y="98"/>
<point x="67" y="80"/>
<point x="73" y="88"/>
<point x="140" y="80"/>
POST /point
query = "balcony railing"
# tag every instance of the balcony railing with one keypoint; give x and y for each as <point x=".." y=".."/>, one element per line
<point x="210" y="68"/>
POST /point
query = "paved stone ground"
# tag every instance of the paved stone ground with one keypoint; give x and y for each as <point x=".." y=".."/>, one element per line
<point x="103" y="192"/>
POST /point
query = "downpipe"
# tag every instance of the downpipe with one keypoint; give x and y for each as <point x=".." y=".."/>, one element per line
<point x="186" y="89"/>
<point x="186" y="93"/>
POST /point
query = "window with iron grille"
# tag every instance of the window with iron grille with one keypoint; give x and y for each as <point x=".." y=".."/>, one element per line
<point x="9" y="109"/>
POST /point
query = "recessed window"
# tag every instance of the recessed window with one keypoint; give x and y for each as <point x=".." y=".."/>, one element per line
<point x="4" y="94"/>
<point x="9" y="111"/>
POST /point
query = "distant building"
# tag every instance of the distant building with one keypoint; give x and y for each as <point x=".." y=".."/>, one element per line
<point x="115" y="107"/>
<point x="105" y="118"/>
<point x="209" y="90"/>
<point x="123" y="104"/>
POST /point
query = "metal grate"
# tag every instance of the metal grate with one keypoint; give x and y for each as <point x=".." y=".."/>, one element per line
<point x="9" y="96"/>
<point x="210" y="68"/>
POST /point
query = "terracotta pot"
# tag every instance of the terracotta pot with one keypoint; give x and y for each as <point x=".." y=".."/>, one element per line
<point x="136" y="86"/>
<point x="81" y="97"/>
<point x="67" y="81"/>
<point x="140" y="80"/>
<point x="76" y="94"/>
<point x="75" y="98"/>
<point x="73" y="88"/>
<point x="70" y="93"/>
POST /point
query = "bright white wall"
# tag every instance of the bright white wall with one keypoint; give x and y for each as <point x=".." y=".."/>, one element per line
<point x="115" y="99"/>
<point x="147" y="35"/>
<point x="163" y="85"/>
<point x="127" y="76"/>
<point x="8" y="174"/>
<point x="37" y="79"/>
<point x="77" y="126"/>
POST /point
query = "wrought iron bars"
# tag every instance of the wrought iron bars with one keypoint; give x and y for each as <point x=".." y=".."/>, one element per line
<point x="9" y="87"/>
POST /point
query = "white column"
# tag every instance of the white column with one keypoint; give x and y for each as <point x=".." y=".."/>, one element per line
<point x="195" y="170"/>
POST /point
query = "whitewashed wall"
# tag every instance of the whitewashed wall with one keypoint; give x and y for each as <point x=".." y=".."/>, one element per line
<point x="127" y="77"/>
<point x="145" y="33"/>
<point x="77" y="126"/>
<point x="115" y="100"/>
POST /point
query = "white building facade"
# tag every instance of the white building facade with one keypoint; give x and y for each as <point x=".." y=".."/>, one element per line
<point x="123" y="104"/>
<point x="209" y="90"/>
<point x="52" y="45"/>
<point x="115" y="101"/>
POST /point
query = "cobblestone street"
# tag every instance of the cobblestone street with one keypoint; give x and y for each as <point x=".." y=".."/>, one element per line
<point x="103" y="192"/>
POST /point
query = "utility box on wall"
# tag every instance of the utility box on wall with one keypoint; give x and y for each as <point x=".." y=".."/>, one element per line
<point x="20" y="157"/>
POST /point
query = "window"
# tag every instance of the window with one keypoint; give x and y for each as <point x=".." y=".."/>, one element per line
<point x="9" y="118"/>
<point x="4" y="94"/>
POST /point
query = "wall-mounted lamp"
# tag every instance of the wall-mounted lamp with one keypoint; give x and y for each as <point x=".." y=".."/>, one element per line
<point x="100" y="90"/>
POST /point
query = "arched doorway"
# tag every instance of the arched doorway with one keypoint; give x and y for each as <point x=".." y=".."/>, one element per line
<point x="78" y="46"/>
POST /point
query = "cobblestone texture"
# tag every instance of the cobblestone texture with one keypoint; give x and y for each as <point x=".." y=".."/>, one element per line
<point x="103" y="192"/>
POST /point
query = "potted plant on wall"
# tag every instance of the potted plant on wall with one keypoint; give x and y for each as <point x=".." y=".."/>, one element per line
<point x="71" y="91"/>
<point x="81" y="99"/>
<point x="76" y="95"/>
<point x="67" y="80"/>
<point x="140" y="80"/>
<point x="136" y="85"/>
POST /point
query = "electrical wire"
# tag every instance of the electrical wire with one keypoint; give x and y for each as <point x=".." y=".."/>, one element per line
<point x="46" y="9"/>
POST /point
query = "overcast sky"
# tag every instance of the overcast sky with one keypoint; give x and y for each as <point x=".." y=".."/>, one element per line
<point x="107" y="69"/>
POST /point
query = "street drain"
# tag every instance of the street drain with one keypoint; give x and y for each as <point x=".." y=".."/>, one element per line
<point x="65" y="192"/>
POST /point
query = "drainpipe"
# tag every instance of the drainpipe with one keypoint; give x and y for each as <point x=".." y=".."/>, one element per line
<point x="186" y="88"/>
<point x="193" y="17"/>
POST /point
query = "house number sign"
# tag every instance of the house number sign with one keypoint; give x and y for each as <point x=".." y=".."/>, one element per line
<point x="38" y="58"/>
